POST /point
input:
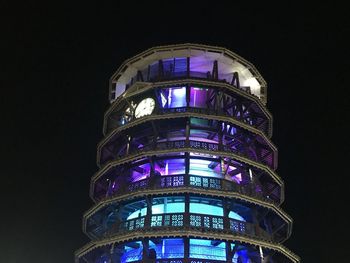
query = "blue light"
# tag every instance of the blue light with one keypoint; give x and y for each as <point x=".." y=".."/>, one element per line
<point x="173" y="97"/>
<point x="236" y="216"/>
<point x="206" y="209"/>
<point x="207" y="249"/>
<point x="168" y="208"/>
<point x="177" y="97"/>
<point x="133" y="253"/>
<point x="168" y="248"/>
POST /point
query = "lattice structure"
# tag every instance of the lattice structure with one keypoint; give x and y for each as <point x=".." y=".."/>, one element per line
<point x="187" y="167"/>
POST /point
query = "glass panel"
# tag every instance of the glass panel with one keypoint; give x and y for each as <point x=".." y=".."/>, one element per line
<point x="173" y="97"/>
<point x="199" y="97"/>
<point x="168" y="205"/>
<point x="166" y="248"/>
<point x="199" y="122"/>
<point x="205" y="168"/>
<point x="206" y="206"/>
<point x="129" y="252"/>
<point x="170" y="167"/>
<point x="134" y="210"/>
<point x="140" y="172"/>
<point x="203" y="136"/>
<point x="207" y="249"/>
<point x="236" y="216"/>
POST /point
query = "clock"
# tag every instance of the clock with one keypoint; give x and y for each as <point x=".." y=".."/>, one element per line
<point x="145" y="107"/>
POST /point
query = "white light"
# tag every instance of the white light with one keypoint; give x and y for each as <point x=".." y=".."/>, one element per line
<point x="261" y="253"/>
<point x="251" y="175"/>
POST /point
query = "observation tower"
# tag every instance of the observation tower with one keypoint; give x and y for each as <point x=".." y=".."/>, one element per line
<point x="187" y="166"/>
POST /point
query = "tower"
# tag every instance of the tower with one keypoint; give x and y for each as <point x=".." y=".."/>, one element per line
<point x="187" y="166"/>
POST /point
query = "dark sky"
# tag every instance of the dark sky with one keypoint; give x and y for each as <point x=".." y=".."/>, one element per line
<point x="55" y="64"/>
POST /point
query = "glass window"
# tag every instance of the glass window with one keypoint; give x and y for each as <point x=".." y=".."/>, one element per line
<point x="236" y="216"/>
<point x="207" y="249"/>
<point x="205" y="168"/>
<point x="173" y="97"/>
<point x="170" y="167"/>
<point x="134" y="210"/>
<point x="129" y="252"/>
<point x="140" y="172"/>
<point x="199" y="97"/>
<point x="165" y="205"/>
<point x="206" y="206"/>
<point x="203" y="136"/>
<point x="167" y="248"/>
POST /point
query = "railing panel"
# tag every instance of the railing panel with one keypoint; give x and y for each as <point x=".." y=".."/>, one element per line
<point x="173" y="181"/>
<point x="207" y="221"/>
<point x="133" y="224"/>
<point x="194" y="220"/>
<point x="175" y="220"/>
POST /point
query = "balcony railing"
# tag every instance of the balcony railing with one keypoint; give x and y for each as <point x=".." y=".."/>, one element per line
<point x="260" y="125"/>
<point x="197" y="221"/>
<point x="192" y="181"/>
<point x="193" y="144"/>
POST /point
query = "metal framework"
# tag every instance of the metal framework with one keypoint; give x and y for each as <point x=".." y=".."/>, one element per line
<point x="187" y="167"/>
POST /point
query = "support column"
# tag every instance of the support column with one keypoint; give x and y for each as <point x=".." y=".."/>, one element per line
<point x="226" y="208"/>
<point x="220" y="136"/>
<point x="149" y="212"/>
<point x="188" y="95"/>
<point x="229" y="255"/>
<point x="255" y="221"/>
<point x="187" y="211"/>
<point x="145" y="249"/>
<point x="188" y="67"/>
<point x="187" y="133"/>
<point x="187" y="169"/>
<point x="186" y="249"/>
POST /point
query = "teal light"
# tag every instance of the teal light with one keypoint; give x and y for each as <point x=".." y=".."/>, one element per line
<point x="207" y="249"/>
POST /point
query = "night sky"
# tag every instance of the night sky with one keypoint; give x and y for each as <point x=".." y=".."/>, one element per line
<point x="56" y="61"/>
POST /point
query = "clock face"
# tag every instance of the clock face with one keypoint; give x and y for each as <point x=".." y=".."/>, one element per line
<point x="145" y="107"/>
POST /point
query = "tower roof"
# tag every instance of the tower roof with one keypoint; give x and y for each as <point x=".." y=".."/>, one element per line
<point x="201" y="57"/>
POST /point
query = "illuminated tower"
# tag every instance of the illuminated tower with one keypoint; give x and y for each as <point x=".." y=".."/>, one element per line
<point x="187" y="167"/>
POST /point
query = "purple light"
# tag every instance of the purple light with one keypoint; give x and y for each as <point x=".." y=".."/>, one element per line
<point x="173" y="97"/>
<point x="171" y="167"/>
<point x="198" y="97"/>
<point x="141" y="172"/>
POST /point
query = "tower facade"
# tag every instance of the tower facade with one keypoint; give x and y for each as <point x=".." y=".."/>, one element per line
<point x="187" y="167"/>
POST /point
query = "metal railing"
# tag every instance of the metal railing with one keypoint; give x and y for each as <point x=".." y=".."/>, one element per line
<point x="193" y="144"/>
<point x="201" y="222"/>
<point x="192" y="181"/>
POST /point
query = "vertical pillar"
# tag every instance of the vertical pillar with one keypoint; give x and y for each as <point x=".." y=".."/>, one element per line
<point x="186" y="249"/>
<point x="186" y="225"/>
<point x="255" y="222"/>
<point x="226" y="208"/>
<point x="187" y="210"/>
<point x="187" y="133"/>
<point x="215" y="71"/>
<point x="188" y="67"/>
<point x="160" y="70"/>
<point x="220" y="136"/>
<point x="187" y="169"/>
<point x="229" y="254"/>
<point x="149" y="212"/>
<point x="188" y="95"/>
<point x="145" y="249"/>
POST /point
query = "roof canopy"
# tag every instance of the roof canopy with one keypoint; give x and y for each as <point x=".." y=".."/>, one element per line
<point x="201" y="57"/>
